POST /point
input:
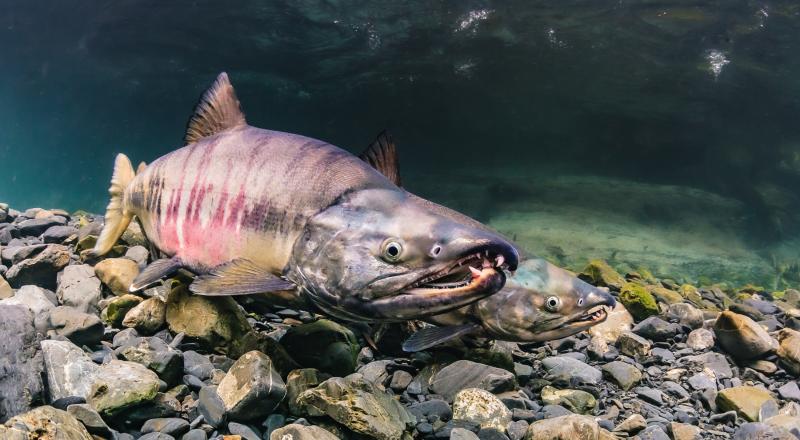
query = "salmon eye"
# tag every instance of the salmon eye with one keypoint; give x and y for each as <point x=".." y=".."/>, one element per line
<point x="553" y="303"/>
<point x="392" y="250"/>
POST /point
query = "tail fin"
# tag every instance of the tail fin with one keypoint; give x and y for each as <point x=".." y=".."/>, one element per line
<point x="117" y="219"/>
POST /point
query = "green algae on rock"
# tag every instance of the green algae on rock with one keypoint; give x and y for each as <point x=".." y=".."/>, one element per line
<point x="638" y="301"/>
<point x="599" y="273"/>
<point x="119" y="385"/>
<point x="118" y="307"/>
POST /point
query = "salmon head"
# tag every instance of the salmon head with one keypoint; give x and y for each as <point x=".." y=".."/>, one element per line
<point x="377" y="254"/>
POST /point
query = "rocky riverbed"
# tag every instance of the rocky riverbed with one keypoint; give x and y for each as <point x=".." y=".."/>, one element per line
<point x="81" y="358"/>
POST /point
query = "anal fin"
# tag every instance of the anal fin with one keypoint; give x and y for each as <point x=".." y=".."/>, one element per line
<point x="239" y="277"/>
<point x="155" y="271"/>
<point x="430" y="336"/>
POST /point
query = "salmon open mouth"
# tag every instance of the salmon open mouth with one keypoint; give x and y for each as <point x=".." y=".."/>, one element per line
<point x="476" y="271"/>
<point x="474" y="276"/>
<point x="593" y="316"/>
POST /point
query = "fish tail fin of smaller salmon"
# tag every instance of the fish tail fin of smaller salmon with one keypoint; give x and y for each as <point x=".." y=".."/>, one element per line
<point x="117" y="217"/>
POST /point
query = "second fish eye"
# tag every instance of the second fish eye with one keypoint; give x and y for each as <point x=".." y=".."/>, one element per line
<point x="552" y="303"/>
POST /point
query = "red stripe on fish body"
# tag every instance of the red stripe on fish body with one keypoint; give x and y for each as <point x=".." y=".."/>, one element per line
<point x="244" y="193"/>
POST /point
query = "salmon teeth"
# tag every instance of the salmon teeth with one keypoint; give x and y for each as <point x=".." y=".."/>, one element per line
<point x="475" y="272"/>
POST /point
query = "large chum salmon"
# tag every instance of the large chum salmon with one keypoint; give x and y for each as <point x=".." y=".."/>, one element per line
<point x="253" y="211"/>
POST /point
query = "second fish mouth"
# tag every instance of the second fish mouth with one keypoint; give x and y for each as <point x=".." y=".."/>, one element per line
<point x="593" y="316"/>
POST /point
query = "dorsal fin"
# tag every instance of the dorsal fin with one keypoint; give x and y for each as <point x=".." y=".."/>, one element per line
<point x="217" y="111"/>
<point x="382" y="155"/>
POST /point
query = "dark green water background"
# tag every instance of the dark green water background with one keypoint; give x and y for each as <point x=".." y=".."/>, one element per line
<point x="696" y="94"/>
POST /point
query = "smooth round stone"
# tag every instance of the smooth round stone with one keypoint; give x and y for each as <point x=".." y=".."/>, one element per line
<point x="481" y="407"/>
<point x="172" y="426"/>
<point x="244" y="431"/>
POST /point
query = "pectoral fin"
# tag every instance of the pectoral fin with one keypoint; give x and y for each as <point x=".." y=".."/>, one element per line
<point x="430" y="336"/>
<point x="239" y="277"/>
<point x="155" y="271"/>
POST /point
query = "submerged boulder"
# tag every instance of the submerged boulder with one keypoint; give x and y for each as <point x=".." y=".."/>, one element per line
<point x="789" y="350"/>
<point x="745" y="400"/>
<point x="40" y="270"/>
<point x="46" y="423"/>
<point x="741" y="337"/>
<point x="252" y="388"/>
<point x="118" y="307"/>
<point x="481" y="407"/>
<point x="360" y="406"/>
<point x="568" y="427"/>
<point x="638" y="301"/>
<point x="324" y="345"/>
<point x="216" y="322"/>
<point x="619" y="320"/>
<point x="147" y="317"/>
<point x="467" y="374"/>
<point x="80" y="288"/>
<point x="155" y="354"/>
<point x="577" y="401"/>
<point x="77" y="326"/>
<point x="21" y="362"/>
<point x="119" y="385"/>
<point x="568" y="371"/>
<point x="69" y="370"/>
<point x="117" y="274"/>
<point x="599" y="273"/>
<point x="36" y="300"/>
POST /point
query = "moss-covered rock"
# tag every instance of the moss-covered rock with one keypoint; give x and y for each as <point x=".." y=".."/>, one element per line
<point x="646" y="274"/>
<point x="664" y="295"/>
<point x="117" y="308"/>
<point x="638" y="301"/>
<point x="751" y="289"/>
<point x="120" y="385"/>
<point x="599" y="273"/>
<point x="324" y="345"/>
<point x="691" y="294"/>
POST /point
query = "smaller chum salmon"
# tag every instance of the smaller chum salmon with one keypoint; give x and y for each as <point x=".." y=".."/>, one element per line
<point x="257" y="211"/>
